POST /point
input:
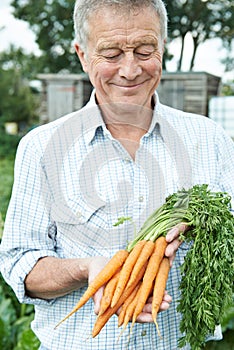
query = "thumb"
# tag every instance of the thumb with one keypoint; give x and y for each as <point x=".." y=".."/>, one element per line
<point x="97" y="299"/>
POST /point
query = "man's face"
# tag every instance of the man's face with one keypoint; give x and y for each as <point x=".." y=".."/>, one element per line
<point x="124" y="56"/>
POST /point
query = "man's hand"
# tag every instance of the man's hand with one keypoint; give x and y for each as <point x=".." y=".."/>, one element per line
<point x="146" y="315"/>
<point x="173" y="240"/>
<point x="95" y="266"/>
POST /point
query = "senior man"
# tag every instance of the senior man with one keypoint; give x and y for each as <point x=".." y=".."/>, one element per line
<point x="120" y="155"/>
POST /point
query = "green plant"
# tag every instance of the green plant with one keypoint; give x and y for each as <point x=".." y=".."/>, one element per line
<point x="15" y="319"/>
<point x="6" y="181"/>
<point x="8" y="145"/>
<point x="228" y="319"/>
<point x="18" y="103"/>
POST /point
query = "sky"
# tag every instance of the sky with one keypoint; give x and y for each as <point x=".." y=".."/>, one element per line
<point x="209" y="54"/>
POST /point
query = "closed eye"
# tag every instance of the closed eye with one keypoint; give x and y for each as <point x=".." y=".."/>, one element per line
<point x="143" y="56"/>
<point x="111" y="54"/>
<point x="145" y="51"/>
<point x="113" y="57"/>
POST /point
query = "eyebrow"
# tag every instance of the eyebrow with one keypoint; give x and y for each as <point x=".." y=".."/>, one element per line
<point x="147" y="41"/>
<point x="108" y="45"/>
<point x="116" y="45"/>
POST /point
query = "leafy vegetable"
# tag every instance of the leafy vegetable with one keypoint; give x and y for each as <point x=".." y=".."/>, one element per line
<point x="208" y="269"/>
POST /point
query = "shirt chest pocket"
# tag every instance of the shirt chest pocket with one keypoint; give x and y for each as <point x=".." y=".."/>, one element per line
<point x="75" y="220"/>
<point x="88" y="226"/>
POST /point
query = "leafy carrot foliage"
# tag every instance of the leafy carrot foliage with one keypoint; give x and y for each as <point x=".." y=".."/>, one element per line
<point x="208" y="269"/>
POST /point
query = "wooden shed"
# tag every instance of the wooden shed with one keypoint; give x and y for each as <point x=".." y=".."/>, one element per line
<point x="63" y="94"/>
<point x="188" y="91"/>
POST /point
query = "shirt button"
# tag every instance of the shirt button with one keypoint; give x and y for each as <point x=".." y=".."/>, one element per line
<point x="143" y="333"/>
<point x="141" y="199"/>
<point x="128" y="160"/>
<point x="78" y="214"/>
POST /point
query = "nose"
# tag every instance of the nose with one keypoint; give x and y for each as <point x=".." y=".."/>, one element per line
<point x="129" y="66"/>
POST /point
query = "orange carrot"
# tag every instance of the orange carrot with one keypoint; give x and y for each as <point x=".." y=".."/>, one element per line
<point x="103" y="319"/>
<point x="126" y="271"/>
<point x="103" y="277"/>
<point x="159" y="287"/>
<point x="108" y="293"/>
<point x="150" y="274"/>
<point x="131" y="307"/>
<point x="144" y="256"/>
<point x="126" y="304"/>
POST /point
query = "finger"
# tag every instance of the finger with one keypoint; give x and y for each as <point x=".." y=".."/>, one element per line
<point x="164" y="306"/>
<point x="174" y="242"/>
<point x="95" y="266"/>
<point x="176" y="231"/>
<point x="167" y="299"/>
<point x="146" y="314"/>
<point x="172" y="248"/>
<point x="144" y="317"/>
<point x="171" y="259"/>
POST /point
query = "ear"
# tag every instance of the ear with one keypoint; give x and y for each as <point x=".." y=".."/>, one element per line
<point x="164" y="43"/>
<point x="82" y="58"/>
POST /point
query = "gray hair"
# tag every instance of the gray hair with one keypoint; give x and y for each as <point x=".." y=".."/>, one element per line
<point x="83" y="9"/>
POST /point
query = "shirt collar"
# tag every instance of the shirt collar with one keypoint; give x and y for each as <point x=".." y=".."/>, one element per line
<point x="156" y="125"/>
<point x="93" y="120"/>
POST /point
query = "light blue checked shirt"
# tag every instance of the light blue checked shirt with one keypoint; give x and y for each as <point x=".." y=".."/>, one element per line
<point x="72" y="182"/>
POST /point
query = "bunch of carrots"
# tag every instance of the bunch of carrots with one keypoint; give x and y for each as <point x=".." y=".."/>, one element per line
<point x="141" y="270"/>
<point x="129" y="279"/>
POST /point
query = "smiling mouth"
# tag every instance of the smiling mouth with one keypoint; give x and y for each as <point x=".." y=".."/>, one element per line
<point x="129" y="87"/>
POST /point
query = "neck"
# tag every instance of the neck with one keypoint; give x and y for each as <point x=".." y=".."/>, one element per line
<point x="130" y="119"/>
<point x="127" y="123"/>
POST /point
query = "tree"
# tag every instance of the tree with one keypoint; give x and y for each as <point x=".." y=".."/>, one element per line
<point x="52" y="23"/>
<point x="203" y="19"/>
<point x="16" y="59"/>
<point x="18" y="102"/>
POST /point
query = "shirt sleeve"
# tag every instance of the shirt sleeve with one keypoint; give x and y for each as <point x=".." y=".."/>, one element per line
<point x="29" y="234"/>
